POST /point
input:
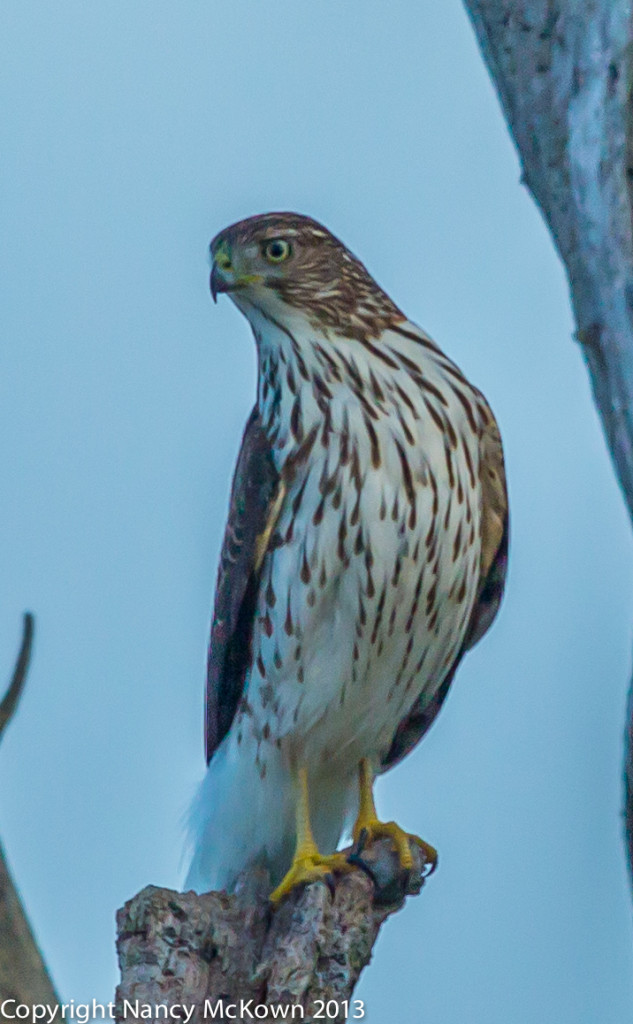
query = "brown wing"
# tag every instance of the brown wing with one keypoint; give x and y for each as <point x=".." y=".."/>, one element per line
<point x="256" y="497"/>
<point x="494" y="560"/>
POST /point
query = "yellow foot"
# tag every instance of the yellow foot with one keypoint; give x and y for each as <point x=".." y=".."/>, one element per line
<point x="371" y="828"/>
<point x="309" y="866"/>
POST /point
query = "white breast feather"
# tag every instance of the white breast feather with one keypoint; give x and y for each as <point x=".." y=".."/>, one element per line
<point x="328" y="704"/>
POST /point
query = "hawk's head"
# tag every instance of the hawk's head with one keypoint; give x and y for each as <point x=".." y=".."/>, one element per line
<point x="278" y="263"/>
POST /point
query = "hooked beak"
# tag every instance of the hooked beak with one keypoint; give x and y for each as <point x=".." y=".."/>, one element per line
<point x="218" y="282"/>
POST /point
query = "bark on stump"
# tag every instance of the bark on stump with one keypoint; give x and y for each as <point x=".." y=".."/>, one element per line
<point x="177" y="948"/>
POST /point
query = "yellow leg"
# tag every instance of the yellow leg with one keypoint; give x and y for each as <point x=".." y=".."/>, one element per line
<point x="368" y="826"/>
<point x="308" y="865"/>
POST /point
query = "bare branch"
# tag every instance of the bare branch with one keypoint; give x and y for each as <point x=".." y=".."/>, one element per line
<point x="23" y="974"/>
<point x="12" y="696"/>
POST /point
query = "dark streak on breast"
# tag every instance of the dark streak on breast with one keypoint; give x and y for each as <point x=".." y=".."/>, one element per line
<point x="298" y="498"/>
<point x="407" y="401"/>
<point x="326" y="429"/>
<point x="373" y="440"/>
<point x="379" y="353"/>
<point x="450" y="430"/>
<point x="405" y="428"/>
<point x="355" y="470"/>
<point x="296" y="425"/>
<point x="317" y="518"/>
<point x="344" y="453"/>
<point x="328" y="481"/>
<point x="328" y="360"/>
<point x="342" y="535"/>
<point x="407" y="479"/>
<point x="321" y="391"/>
<point x="449" y="464"/>
<point x="430" y="597"/>
<point x="300" y="456"/>
<point x="468" y="409"/>
<point x="353" y="371"/>
<point x="434" y="414"/>
<point x="424" y="342"/>
<point x="378" y="393"/>
<point x="305" y="574"/>
<point x="457" y="541"/>
<point x="379" y="611"/>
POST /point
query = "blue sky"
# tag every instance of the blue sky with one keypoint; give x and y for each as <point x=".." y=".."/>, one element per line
<point x="131" y="134"/>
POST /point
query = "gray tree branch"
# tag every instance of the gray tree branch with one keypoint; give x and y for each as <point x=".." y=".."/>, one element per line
<point x="23" y="974"/>
<point x="10" y="700"/>
<point x="217" y="952"/>
<point x="562" y="69"/>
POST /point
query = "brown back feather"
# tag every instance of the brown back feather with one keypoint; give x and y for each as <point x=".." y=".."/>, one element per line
<point x="254" y="507"/>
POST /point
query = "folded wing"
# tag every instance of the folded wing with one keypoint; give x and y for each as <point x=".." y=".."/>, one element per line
<point x="256" y="497"/>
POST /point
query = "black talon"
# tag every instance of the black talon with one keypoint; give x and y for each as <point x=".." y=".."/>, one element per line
<point x="431" y="865"/>
<point x="362" y="842"/>
<point x="357" y="861"/>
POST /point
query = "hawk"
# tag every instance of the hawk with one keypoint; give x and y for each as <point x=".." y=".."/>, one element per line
<point x="365" y="552"/>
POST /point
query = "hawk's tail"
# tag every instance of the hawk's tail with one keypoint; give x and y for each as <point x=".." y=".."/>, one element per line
<point x="239" y="818"/>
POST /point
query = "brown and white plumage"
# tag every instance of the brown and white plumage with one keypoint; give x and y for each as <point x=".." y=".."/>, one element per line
<point x="364" y="553"/>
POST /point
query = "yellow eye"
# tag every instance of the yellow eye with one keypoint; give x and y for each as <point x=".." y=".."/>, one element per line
<point x="276" y="250"/>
